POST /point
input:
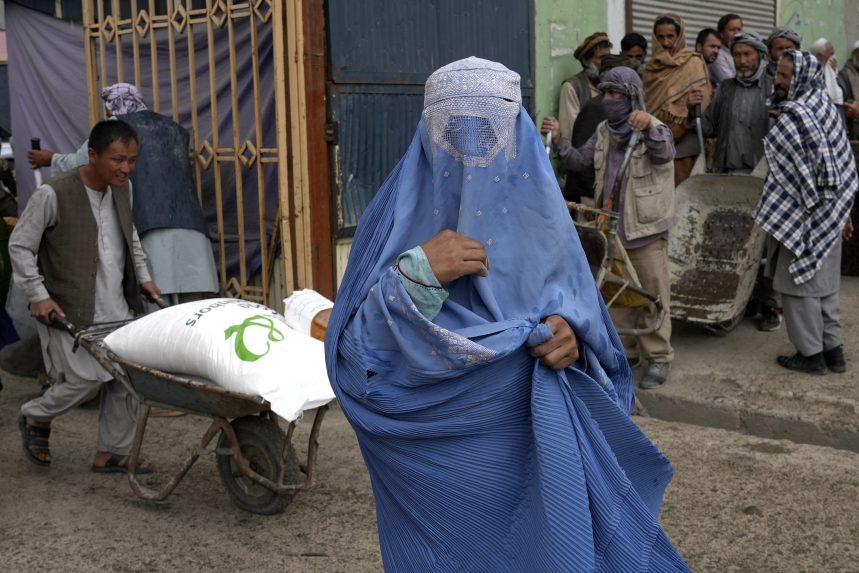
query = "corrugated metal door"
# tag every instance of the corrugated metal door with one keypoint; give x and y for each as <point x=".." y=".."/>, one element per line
<point x="758" y="17"/>
<point x="381" y="53"/>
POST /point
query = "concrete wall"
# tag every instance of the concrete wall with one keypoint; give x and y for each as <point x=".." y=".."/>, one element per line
<point x="835" y="20"/>
<point x="560" y="26"/>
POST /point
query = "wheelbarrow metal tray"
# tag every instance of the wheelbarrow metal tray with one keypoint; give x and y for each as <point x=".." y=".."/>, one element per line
<point x="715" y="247"/>
<point x="191" y="395"/>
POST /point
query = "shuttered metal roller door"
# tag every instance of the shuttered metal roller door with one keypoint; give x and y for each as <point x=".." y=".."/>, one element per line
<point x="758" y="16"/>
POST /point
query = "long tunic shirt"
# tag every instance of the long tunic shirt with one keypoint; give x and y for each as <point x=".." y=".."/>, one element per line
<point x="739" y="119"/>
<point x="110" y="303"/>
<point x="660" y="149"/>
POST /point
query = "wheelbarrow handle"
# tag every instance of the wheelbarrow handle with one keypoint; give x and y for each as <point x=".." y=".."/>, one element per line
<point x="62" y="322"/>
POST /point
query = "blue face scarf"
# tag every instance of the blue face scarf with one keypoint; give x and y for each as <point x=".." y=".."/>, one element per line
<point x="444" y="409"/>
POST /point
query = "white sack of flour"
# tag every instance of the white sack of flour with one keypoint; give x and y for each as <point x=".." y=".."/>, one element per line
<point x="239" y="345"/>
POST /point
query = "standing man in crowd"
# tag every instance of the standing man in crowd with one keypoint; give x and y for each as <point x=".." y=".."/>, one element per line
<point x="670" y="76"/>
<point x="723" y="68"/>
<point x="167" y="213"/>
<point x="805" y="208"/>
<point x="644" y="219"/>
<point x="738" y="116"/>
<point x="580" y="183"/>
<point x="739" y="119"/>
<point x="848" y="79"/>
<point x="75" y="253"/>
<point x="634" y="47"/>
<point x="781" y="39"/>
<point x="578" y="89"/>
<point x="825" y="53"/>
<point x="708" y="45"/>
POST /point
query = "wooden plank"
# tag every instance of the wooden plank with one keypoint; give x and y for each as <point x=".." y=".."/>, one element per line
<point x="298" y="147"/>
<point x="318" y="182"/>
<point x="284" y="168"/>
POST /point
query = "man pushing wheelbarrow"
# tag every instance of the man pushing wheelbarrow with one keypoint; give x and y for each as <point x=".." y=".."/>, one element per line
<point x="632" y="152"/>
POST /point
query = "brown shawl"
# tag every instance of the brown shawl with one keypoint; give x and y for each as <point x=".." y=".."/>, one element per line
<point x="670" y="75"/>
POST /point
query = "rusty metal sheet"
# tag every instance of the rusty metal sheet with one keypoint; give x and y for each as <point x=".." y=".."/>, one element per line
<point x="715" y="247"/>
<point x="197" y="396"/>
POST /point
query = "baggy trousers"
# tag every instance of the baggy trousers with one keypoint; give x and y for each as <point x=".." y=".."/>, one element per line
<point x="651" y="264"/>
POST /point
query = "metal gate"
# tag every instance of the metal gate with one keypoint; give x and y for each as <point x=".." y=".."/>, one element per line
<point x="759" y="16"/>
<point x="380" y="55"/>
<point x="232" y="72"/>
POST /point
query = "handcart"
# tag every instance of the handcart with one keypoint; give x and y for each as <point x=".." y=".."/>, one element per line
<point x="255" y="458"/>
<point x="613" y="272"/>
<point x="715" y="247"/>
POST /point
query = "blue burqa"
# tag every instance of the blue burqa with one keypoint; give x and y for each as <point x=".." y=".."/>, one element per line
<point x="480" y="457"/>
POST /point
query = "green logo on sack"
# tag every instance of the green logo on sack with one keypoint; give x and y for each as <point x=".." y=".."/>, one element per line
<point x="274" y="335"/>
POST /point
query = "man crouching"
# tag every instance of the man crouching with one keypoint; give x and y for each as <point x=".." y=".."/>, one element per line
<point x="75" y="253"/>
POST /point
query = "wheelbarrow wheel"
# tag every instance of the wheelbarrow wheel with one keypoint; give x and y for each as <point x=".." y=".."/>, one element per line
<point x="263" y="444"/>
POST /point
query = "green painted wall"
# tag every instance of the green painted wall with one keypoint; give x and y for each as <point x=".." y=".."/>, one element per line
<point x="559" y="26"/>
<point x="814" y="19"/>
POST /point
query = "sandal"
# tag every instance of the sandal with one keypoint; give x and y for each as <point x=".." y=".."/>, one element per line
<point x="35" y="440"/>
<point x="114" y="465"/>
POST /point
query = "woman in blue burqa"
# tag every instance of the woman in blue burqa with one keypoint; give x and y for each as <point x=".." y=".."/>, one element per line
<point x="473" y="355"/>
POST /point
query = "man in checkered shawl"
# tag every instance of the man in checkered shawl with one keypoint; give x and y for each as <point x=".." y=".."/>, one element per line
<point x="805" y="209"/>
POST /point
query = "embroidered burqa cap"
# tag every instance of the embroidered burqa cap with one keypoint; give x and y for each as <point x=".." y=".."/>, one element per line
<point x="445" y="409"/>
<point x="463" y="90"/>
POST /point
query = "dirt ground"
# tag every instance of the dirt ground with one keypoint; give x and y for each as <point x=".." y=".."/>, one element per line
<point x="738" y="503"/>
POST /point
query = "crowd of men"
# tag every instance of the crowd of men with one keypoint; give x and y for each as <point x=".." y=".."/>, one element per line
<point x="729" y="100"/>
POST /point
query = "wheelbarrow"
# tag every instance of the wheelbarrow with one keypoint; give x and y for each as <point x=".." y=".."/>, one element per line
<point x="256" y="461"/>
<point x="715" y="247"/>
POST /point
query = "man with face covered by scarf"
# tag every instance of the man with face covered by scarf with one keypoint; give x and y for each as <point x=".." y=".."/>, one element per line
<point x="805" y="208"/>
<point x="644" y="217"/>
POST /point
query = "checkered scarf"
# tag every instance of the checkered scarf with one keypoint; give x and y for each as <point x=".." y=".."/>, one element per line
<point x="812" y="180"/>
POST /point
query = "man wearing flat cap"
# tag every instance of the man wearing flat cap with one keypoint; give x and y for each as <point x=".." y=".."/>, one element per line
<point x="578" y="89"/>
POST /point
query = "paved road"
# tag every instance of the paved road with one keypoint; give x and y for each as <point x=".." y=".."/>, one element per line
<point x="738" y="503"/>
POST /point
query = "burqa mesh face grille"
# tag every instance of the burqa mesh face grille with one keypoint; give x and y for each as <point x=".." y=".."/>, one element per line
<point x="470" y="110"/>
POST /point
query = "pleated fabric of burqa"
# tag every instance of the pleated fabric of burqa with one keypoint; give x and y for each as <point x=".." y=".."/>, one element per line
<point x="481" y="458"/>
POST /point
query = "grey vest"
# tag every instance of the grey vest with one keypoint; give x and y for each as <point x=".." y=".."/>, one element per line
<point x="582" y="86"/>
<point x="68" y="254"/>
